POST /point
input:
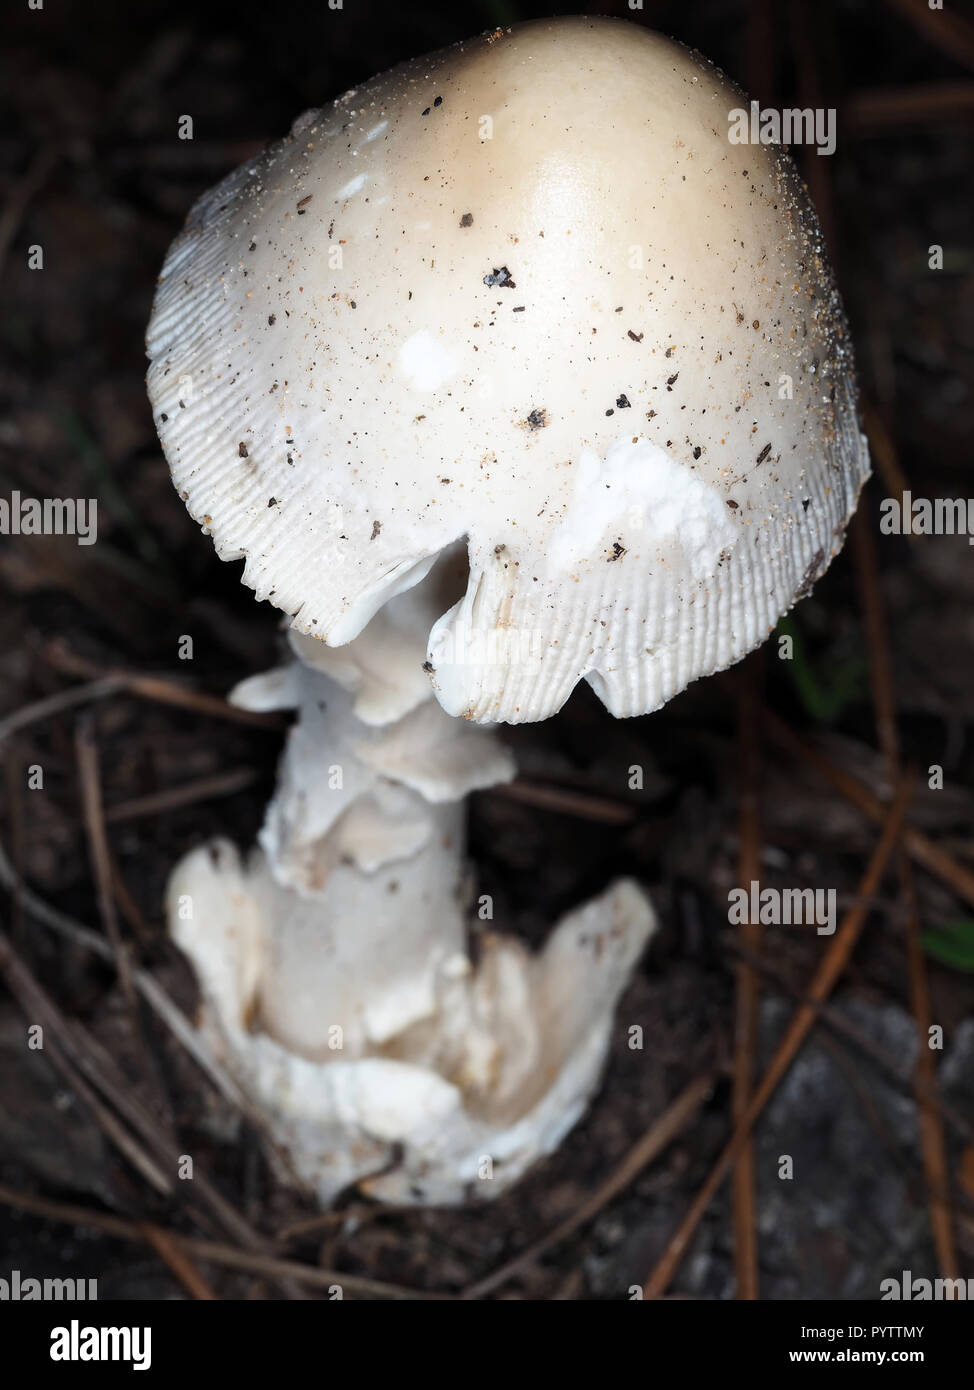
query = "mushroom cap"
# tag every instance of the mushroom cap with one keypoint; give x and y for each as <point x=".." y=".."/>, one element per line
<point x="526" y="292"/>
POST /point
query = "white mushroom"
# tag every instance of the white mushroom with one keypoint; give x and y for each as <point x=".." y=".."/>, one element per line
<point x="521" y="299"/>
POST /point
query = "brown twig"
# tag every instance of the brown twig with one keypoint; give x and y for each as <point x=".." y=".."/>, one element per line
<point x="861" y="1041"/>
<point x="55" y="704"/>
<point x="805" y="38"/>
<point x="168" y="799"/>
<point x="883" y="452"/>
<point x="178" y="1262"/>
<point x="834" y="962"/>
<point x="27" y="188"/>
<point x="919" y="846"/>
<point x="847" y="1063"/>
<point x="12" y="777"/>
<point x="584" y="805"/>
<point x="268" y="1266"/>
<point x="137" y="1134"/>
<point x="661" y="1133"/>
<point x="158" y="1000"/>
<point x="66" y="926"/>
<point x="747" y="980"/>
<point x="931" y="1120"/>
<point x="86" y="751"/>
<point x="62" y="1046"/>
<point x="936" y="1167"/>
<point x="187" y="794"/>
<point x="328" y="1221"/>
<point x="761" y="48"/>
<point x="129" y="908"/>
<point x="89" y="774"/>
<point x="158" y="689"/>
<point x="874" y="627"/>
<point x="950" y="32"/>
<point x="873" y="112"/>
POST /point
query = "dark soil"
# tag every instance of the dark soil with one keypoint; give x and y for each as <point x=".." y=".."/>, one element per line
<point x="91" y="170"/>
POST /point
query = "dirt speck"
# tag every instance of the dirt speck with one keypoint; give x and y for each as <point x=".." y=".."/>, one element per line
<point x="501" y="278"/>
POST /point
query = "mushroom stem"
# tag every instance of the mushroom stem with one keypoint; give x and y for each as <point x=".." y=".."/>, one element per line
<point x="333" y="964"/>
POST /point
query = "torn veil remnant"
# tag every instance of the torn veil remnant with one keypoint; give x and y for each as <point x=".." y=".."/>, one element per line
<point x="649" y="451"/>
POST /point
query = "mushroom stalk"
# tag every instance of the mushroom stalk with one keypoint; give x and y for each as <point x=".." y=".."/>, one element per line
<point x="333" y="962"/>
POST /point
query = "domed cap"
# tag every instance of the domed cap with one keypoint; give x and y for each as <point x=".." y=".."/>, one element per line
<point x="525" y="292"/>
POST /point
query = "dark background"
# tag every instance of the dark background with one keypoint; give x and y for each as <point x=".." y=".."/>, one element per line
<point x="91" y="169"/>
